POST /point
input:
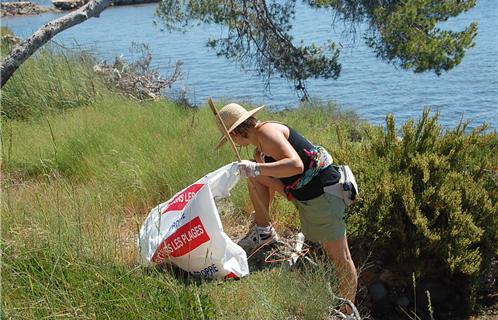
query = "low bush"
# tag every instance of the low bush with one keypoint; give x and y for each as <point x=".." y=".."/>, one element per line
<point x="429" y="199"/>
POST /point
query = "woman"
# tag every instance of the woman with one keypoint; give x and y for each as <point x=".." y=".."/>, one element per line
<point x="289" y="164"/>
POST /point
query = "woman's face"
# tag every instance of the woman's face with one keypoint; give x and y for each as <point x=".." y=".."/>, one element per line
<point x="238" y="139"/>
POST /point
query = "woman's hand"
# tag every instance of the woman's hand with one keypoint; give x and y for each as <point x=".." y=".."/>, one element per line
<point x="249" y="169"/>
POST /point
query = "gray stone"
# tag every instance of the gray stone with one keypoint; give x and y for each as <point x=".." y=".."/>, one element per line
<point x="68" y="4"/>
<point x="403" y="302"/>
<point x="74" y="4"/>
<point x="21" y="8"/>
<point x="377" y="291"/>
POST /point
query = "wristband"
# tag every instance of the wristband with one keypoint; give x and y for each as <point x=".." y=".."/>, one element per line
<point x="257" y="170"/>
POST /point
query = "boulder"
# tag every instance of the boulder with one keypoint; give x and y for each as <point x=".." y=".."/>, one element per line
<point x="377" y="291"/>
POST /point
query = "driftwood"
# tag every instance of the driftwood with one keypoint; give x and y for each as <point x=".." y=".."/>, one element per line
<point x="26" y="48"/>
<point x="137" y="80"/>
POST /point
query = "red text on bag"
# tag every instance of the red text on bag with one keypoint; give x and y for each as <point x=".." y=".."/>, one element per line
<point x="180" y="200"/>
<point x="188" y="237"/>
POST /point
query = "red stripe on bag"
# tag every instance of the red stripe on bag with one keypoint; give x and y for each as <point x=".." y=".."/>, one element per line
<point x="181" y="200"/>
<point x="188" y="237"/>
<point x="231" y="275"/>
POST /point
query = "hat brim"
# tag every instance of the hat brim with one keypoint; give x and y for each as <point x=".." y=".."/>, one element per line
<point x="246" y="116"/>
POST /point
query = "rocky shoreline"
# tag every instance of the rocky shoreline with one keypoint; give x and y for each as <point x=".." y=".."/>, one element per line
<point x="74" y="4"/>
<point x="68" y="4"/>
<point x="21" y="8"/>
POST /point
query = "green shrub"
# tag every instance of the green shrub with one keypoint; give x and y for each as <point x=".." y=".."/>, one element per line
<point x="429" y="198"/>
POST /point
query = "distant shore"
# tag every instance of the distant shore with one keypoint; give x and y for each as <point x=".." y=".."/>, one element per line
<point x="74" y="4"/>
<point x="24" y="8"/>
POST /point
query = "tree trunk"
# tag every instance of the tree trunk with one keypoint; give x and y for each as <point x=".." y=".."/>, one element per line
<point x="26" y="48"/>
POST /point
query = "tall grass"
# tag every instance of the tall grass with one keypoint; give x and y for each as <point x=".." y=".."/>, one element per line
<point x="275" y="294"/>
<point x="77" y="186"/>
<point x="52" y="79"/>
<point x="82" y="167"/>
<point x="44" y="283"/>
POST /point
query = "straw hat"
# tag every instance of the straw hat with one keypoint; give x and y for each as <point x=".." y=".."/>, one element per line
<point x="232" y="115"/>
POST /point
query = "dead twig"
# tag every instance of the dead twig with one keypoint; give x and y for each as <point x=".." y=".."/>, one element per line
<point x="138" y="80"/>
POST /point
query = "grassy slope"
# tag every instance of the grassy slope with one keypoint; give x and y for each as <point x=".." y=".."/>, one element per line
<point x="77" y="187"/>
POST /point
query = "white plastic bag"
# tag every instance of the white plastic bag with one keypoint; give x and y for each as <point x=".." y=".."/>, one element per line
<point x="187" y="230"/>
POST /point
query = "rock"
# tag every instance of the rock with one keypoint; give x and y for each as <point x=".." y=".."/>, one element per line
<point x="68" y="4"/>
<point x="377" y="291"/>
<point x="75" y="4"/>
<point x="128" y="2"/>
<point x="21" y="8"/>
<point x="403" y="302"/>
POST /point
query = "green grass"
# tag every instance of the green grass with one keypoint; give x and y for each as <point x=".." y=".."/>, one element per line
<point x="45" y="283"/>
<point x="275" y="294"/>
<point x="82" y="167"/>
<point x="52" y="79"/>
<point x="77" y="186"/>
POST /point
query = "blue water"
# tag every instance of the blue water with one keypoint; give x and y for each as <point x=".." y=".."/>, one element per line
<point x="367" y="85"/>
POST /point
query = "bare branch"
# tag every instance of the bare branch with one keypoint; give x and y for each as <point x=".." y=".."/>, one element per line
<point x="26" y="48"/>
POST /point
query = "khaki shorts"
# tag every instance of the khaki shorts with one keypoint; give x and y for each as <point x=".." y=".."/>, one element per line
<point x="322" y="218"/>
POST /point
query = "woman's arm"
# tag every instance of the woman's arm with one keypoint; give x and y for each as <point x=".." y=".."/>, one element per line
<point x="275" y="144"/>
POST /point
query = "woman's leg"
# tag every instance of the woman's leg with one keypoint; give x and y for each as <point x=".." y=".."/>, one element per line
<point x="261" y="197"/>
<point x="338" y="252"/>
<point x="262" y="233"/>
<point x="262" y="191"/>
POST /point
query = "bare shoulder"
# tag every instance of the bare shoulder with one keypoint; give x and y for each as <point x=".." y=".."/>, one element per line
<point x="273" y="140"/>
<point x="273" y="130"/>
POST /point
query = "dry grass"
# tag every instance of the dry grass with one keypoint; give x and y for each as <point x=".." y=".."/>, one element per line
<point x="76" y="188"/>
